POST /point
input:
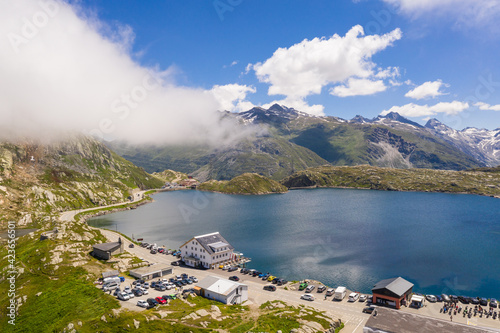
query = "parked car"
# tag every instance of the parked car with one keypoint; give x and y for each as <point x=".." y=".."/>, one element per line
<point x="184" y="276"/>
<point x="493" y="303"/>
<point x="250" y="271"/>
<point x="353" y="297"/>
<point x="445" y="298"/>
<point x="307" y="297"/>
<point x="130" y="294"/>
<point x="226" y="267"/>
<point x="145" y="285"/>
<point x="137" y="292"/>
<point x="270" y="288"/>
<point x="330" y="292"/>
<point x="117" y="290"/>
<point x="160" y="287"/>
<point x="165" y="297"/>
<point x="321" y="289"/>
<point x="244" y="270"/>
<point x="483" y="301"/>
<point x="431" y="298"/>
<point x="439" y="298"/>
<point x="281" y="282"/>
<point x="123" y="296"/>
<point x="153" y="251"/>
<point x="142" y="303"/>
<point x="275" y="280"/>
<point x="152" y="302"/>
<point x="176" y="263"/>
<point x="474" y="300"/>
<point x="194" y="279"/>
<point x="369" y="309"/>
<point x="454" y="298"/>
<point x="310" y="288"/>
<point x="362" y="298"/>
<point x="160" y="300"/>
<point x="271" y="278"/>
<point x="234" y="278"/>
<point x="256" y="273"/>
<point x="303" y="286"/>
<point x="232" y="269"/>
<point x="463" y="299"/>
<point x="131" y="245"/>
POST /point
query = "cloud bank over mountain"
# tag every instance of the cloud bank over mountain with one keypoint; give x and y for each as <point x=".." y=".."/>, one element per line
<point x="63" y="69"/>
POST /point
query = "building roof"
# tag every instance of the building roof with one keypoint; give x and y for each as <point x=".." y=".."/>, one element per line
<point x="106" y="247"/>
<point x="109" y="274"/>
<point x="388" y="320"/>
<point x="218" y="286"/>
<point x="146" y="270"/>
<point x="398" y="286"/>
<point x="212" y="242"/>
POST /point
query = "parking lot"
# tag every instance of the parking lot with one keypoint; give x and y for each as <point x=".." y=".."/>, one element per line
<point x="350" y="312"/>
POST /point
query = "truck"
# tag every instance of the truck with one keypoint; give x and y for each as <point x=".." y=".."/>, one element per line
<point x="339" y="293"/>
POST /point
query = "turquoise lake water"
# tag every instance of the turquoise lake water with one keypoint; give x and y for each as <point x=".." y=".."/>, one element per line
<point x="443" y="243"/>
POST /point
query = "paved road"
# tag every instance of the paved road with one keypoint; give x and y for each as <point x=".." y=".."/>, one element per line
<point x="70" y="215"/>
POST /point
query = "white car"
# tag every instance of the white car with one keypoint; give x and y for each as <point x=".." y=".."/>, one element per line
<point x="226" y="267"/>
<point x="123" y="296"/>
<point x="307" y="297"/>
<point x="142" y="303"/>
<point x="129" y="293"/>
<point x="431" y="298"/>
<point x="353" y="297"/>
<point x="144" y="291"/>
<point x="363" y="298"/>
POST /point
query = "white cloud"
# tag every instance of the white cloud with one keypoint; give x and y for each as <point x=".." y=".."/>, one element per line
<point x="463" y="12"/>
<point x="415" y="110"/>
<point x="487" y="107"/>
<point x="305" y="68"/>
<point x="427" y="89"/>
<point x="231" y="97"/>
<point x="61" y="70"/>
<point x="358" y="87"/>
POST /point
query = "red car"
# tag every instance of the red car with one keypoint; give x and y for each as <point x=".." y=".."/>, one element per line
<point x="160" y="300"/>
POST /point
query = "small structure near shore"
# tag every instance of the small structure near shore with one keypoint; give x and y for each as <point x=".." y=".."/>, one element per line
<point x="392" y="292"/>
<point x="222" y="290"/>
<point x="106" y="250"/>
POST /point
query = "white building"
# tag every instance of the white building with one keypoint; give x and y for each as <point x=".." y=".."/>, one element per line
<point x="222" y="290"/>
<point x="207" y="251"/>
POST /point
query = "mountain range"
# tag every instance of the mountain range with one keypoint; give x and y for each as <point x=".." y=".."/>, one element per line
<point x="289" y="140"/>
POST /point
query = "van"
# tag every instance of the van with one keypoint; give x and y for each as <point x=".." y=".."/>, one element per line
<point x="353" y="297"/>
<point x="110" y="286"/>
<point x="339" y="293"/>
<point x="111" y="279"/>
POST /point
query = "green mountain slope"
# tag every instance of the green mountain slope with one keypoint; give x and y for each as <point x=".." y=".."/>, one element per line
<point x="296" y="141"/>
<point x="422" y="180"/>
<point x="77" y="173"/>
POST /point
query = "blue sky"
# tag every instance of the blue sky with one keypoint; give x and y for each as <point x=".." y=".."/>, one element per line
<point x="211" y="43"/>
<point x="123" y="68"/>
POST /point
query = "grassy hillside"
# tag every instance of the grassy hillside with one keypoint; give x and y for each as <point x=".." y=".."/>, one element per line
<point x="424" y="180"/>
<point x="248" y="183"/>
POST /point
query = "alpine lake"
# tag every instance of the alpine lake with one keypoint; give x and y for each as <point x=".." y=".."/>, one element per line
<point x="443" y="243"/>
